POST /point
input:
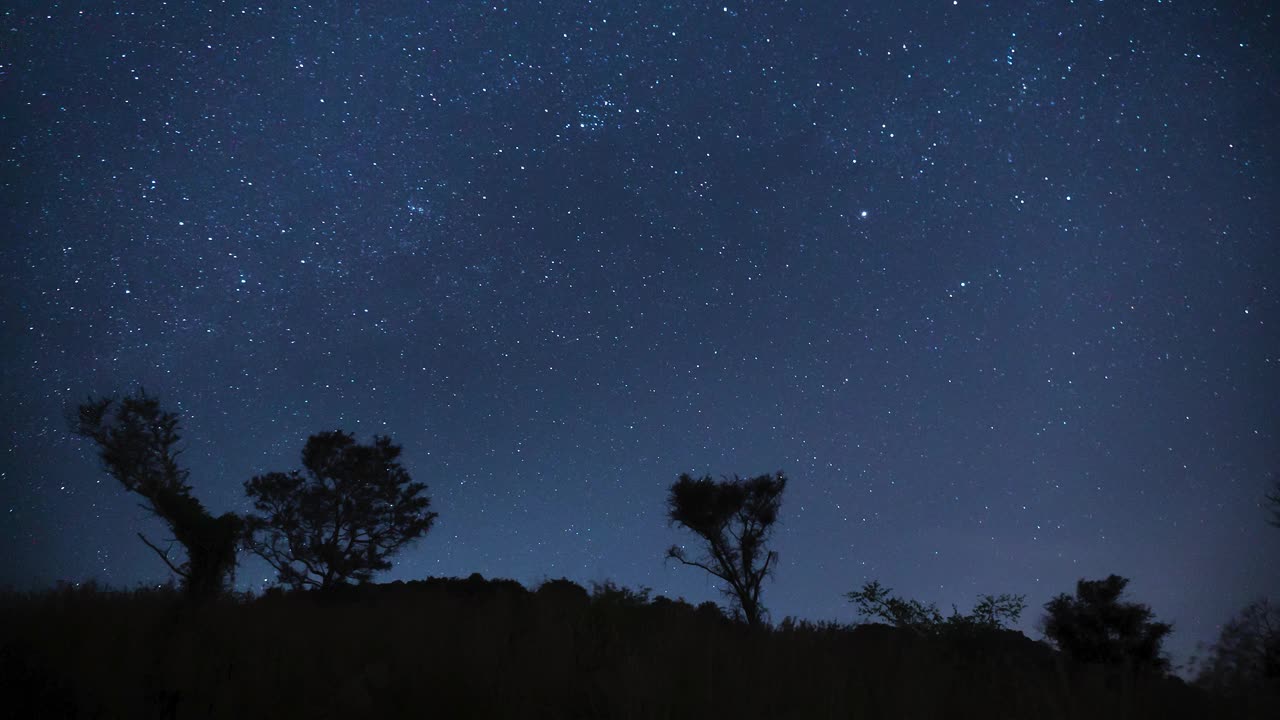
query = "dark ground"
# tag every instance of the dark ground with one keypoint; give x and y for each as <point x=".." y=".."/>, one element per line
<point x="475" y="649"/>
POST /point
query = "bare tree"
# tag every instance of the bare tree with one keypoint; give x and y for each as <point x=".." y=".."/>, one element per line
<point x="734" y="519"/>
<point x="138" y="445"/>
<point x="340" y="520"/>
<point x="1247" y="654"/>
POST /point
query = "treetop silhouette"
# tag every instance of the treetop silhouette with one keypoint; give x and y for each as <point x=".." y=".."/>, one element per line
<point x="734" y="518"/>
<point x="342" y="518"/>
<point x="1095" y="626"/>
<point x="138" y="445"/>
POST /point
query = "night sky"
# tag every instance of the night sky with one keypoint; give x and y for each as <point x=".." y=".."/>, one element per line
<point x="996" y="285"/>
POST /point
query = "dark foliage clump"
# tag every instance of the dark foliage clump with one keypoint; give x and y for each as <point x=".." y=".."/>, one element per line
<point x="342" y="518"/>
<point x="1095" y="626"/>
<point x="734" y="519"/>
<point x="562" y="592"/>
<point x="138" y="445"/>
<point x="610" y="593"/>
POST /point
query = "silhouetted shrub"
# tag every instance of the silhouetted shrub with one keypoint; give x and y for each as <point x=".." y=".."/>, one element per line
<point x="875" y="601"/>
<point x="1095" y="626"/>
<point x="991" y="612"/>
<point x="563" y="592"/>
<point x="610" y="593"/>
<point x="711" y="611"/>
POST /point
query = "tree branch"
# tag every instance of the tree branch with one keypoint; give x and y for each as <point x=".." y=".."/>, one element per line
<point x="694" y="563"/>
<point x="164" y="555"/>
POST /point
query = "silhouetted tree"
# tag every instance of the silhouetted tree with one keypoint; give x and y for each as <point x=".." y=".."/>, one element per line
<point x="1095" y="626"/>
<point x="138" y="445"/>
<point x="1246" y="656"/>
<point x="352" y="508"/>
<point x="991" y="611"/>
<point x="734" y="518"/>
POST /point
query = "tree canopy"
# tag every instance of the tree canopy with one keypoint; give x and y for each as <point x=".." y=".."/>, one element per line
<point x="138" y="445"/>
<point x="734" y="519"/>
<point x="342" y="518"/>
<point x="1096" y="626"/>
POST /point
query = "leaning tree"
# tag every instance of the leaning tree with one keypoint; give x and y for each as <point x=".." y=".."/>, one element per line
<point x="137" y="443"/>
<point x="339" y="520"/>
<point x="734" y="519"/>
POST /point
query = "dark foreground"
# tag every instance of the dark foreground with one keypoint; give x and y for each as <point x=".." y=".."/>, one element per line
<point x="480" y="649"/>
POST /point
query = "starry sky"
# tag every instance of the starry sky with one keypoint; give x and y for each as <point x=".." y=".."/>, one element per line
<point x="995" y="284"/>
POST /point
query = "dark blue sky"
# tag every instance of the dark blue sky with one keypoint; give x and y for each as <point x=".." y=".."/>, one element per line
<point x="995" y="284"/>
